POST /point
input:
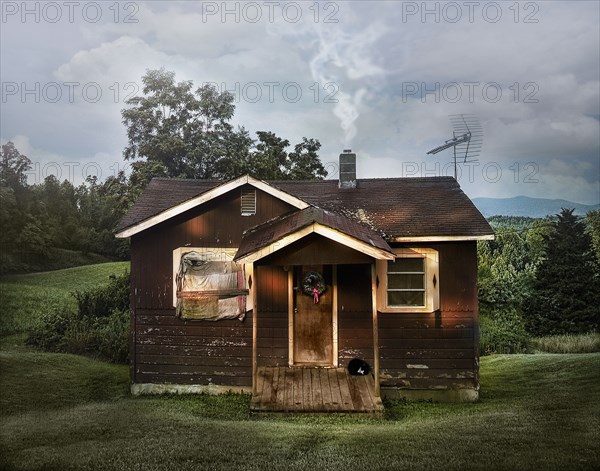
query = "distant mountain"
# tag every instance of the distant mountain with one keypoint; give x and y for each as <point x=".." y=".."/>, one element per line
<point x="526" y="206"/>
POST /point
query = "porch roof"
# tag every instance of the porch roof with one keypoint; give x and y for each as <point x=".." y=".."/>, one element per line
<point x="273" y="235"/>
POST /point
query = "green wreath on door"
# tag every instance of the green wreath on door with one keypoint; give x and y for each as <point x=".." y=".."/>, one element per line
<point x="313" y="285"/>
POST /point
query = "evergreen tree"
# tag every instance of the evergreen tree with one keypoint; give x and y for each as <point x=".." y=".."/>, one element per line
<point x="566" y="295"/>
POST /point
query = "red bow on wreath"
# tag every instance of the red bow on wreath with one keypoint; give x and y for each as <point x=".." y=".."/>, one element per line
<point x="313" y="285"/>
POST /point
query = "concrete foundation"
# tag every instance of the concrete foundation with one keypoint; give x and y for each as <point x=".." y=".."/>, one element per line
<point x="434" y="395"/>
<point x="138" y="389"/>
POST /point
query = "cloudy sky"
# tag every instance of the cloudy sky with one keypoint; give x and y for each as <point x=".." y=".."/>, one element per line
<point x="378" y="77"/>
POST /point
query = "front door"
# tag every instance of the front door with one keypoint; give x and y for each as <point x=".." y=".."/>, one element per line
<point x="313" y="321"/>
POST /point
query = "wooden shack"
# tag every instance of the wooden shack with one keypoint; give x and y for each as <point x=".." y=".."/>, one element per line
<point x="272" y="287"/>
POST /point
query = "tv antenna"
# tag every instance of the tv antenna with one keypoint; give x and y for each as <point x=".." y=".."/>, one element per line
<point x="466" y="142"/>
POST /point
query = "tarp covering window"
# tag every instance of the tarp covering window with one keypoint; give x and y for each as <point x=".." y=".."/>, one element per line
<point x="210" y="286"/>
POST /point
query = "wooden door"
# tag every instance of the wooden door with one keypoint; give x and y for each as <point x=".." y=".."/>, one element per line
<point x="313" y="323"/>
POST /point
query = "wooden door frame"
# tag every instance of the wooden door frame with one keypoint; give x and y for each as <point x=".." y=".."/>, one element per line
<point x="334" y="317"/>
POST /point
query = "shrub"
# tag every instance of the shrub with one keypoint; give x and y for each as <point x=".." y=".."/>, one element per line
<point x="99" y="327"/>
<point x="50" y="331"/>
<point x="102" y="301"/>
<point x="502" y="331"/>
<point x="113" y="336"/>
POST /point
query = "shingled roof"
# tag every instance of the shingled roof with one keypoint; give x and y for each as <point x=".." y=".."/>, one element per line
<point x="395" y="208"/>
<point x="162" y="194"/>
<point x="265" y="234"/>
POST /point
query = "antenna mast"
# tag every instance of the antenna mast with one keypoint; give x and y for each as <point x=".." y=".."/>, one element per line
<point x="466" y="142"/>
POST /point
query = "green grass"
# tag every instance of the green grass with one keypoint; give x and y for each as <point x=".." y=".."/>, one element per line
<point x="53" y="259"/>
<point x="67" y="412"/>
<point x="63" y="412"/>
<point x="24" y="298"/>
<point x="582" y="343"/>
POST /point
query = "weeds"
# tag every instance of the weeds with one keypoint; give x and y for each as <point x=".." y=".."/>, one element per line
<point x="568" y="343"/>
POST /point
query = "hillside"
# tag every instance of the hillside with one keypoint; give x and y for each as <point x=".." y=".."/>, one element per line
<point x="529" y="207"/>
<point x="25" y="298"/>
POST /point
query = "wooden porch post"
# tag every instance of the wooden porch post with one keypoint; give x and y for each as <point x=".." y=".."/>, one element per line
<point x="375" y="328"/>
<point x="335" y="317"/>
<point x="290" y="276"/>
<point x="254" y="330"/>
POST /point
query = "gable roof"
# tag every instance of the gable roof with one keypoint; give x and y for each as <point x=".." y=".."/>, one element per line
<point x="399" y="209"/>
<point x="280" y="232"/>
<point x="165" y="198"/>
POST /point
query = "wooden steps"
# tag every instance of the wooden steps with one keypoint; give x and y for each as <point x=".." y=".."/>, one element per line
<point x="314" y="390"/>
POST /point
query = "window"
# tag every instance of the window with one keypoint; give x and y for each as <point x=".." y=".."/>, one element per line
<point x="406" y="282"/>
<point x="248" y="202"/>
<point x="410" y="283"/>
<point x="209" y="285"/>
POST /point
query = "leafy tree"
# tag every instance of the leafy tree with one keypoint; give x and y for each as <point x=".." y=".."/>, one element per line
<point x="593" y="229"/>
<point x="566" y="290"/>
<point x="13" y="201"/>
<point x="304" y="163"/>
<point x="33" y="239"/>
<point x="101" y="206"/>
<point x="269" y="158"/>
<point x="182" y="132"/>
<point x="38" y="219"/>
<point x="13" y="167"/>
<point x="182" y="129"/>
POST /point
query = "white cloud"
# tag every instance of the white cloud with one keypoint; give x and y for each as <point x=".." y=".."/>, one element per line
<point x="370" y="52"/>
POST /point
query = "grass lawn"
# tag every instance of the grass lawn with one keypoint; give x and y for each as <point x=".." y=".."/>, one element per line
<point x="67" y="412"/>
<point x="26" y="297"/>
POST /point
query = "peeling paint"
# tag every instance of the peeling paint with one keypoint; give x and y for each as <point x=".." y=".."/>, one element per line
<point x="350" y="353"/>
<point x="227" y="343"/>
<point x="417" y="366"/>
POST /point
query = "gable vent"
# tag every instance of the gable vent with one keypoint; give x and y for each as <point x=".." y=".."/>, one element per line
<point x="248" y="201"/>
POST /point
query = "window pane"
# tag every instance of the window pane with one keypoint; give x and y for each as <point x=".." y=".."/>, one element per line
<point x="406" y="298"/>
<point x="406" y="264"/>
<point x="406" y="281"/>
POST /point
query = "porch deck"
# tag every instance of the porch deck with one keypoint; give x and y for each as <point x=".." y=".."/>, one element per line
<point x="281" y="389"/>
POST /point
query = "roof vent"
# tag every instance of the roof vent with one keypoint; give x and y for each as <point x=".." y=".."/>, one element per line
<point x="347" y="169"/>
<point x="248" y="202"/>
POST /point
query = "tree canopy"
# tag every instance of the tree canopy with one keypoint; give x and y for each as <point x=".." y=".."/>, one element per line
<point x="38" y="221"/>
<point x="175" y="130"/>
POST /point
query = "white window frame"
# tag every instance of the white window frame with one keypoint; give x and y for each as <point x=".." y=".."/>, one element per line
<point x="432" y="280"/>
<point x="217" y="254"/>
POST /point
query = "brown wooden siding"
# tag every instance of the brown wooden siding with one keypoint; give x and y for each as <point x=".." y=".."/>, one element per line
<point x="170" y="350"/>
<point x="272" y="320"/>
<point x="416" y="350"/>
<point x="218" y="223"/>
<point x="165" y="349"/>
<point x="355" y="319"/>
<point x="436" y="350"/>
<point x="315" y="249"/>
